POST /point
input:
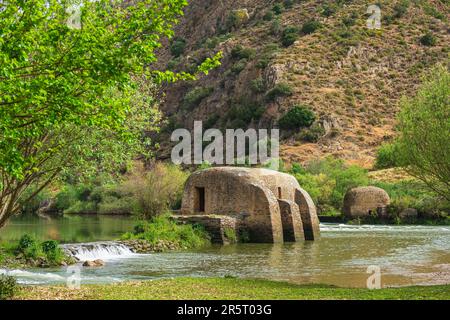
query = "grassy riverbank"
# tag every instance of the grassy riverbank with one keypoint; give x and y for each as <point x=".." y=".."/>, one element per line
<point x="30" y="252"/>
<point x="228" y="288"/>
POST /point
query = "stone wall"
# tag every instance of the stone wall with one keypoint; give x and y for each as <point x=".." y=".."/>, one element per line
<point x="215" y="225"/>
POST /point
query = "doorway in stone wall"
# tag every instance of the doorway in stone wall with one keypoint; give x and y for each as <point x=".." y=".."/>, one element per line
<point x="199" y="199"/>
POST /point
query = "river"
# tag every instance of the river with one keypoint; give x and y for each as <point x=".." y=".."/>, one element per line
<point x="405" y="255"/>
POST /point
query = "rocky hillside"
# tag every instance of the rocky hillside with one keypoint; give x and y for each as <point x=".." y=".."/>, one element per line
<point x="317" y="54"/>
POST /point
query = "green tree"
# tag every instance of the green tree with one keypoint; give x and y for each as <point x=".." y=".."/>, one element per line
<point x="71" y="92"/>
<point x="424" y="127"/>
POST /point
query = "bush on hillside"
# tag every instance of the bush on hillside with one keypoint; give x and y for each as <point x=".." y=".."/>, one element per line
<point x="177" y="47"/>
<point x="297" y="117"/>
<point x="279" y="90"/>
<point x="310" y="26"/>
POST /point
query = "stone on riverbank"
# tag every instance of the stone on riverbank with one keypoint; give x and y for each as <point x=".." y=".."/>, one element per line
<point x="94" y="263"/>
<point x="365" y="201"/>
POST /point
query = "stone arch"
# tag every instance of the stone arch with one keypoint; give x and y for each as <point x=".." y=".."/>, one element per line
<point x="308" y="213"/>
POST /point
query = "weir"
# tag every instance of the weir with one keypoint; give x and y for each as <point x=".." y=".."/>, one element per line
<point x="97" y="250"/>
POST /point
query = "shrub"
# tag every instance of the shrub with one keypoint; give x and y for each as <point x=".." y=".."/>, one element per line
<point x="49" y="246"/>
<point x="277" y="8"/>
<point x="268" y="16"/>
<point x="230" y="234"/>
<point x="8" y="287"/>
<point x="279" y="90"/>
<point x="350" y="20"/>
<point x="164" y="228"/>
<point x="289" y="36"/>
<point x="237" y="18"/>
<point x="297" y="117"/>
<point x="310" y="26"/>
<point x="288" y="3"/>
<point x="401" y="8"/>
<point x="328" y="10"/>
<point x="52" y="251"/>
<point x="155" y="191"/>
<point x="428" y="39"/>
<point x="240" y="52"/>
<point x="196" y="95"/>
<point x="177" y="47"/>
<point x="312" y="134"/>
<point x="275" y="27"/>
<point x="239" y="66"/>
<point x="268" y="53"/>
<point x="258" y="85"/>
<point x="386" y="156"/>
<point x="26" y="241"/>
<point x="245" y="112"/>
<point x="328" y="180"/>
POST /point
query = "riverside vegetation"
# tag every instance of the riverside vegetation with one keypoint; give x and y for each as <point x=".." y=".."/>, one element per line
<point x="29" y="252"/>
<point x="229" y="288"/>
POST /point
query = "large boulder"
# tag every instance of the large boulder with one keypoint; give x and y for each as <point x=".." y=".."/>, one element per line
<point x="364" y="201"/>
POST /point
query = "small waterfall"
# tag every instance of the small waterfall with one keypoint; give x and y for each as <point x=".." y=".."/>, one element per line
<point x="97" y="250"/>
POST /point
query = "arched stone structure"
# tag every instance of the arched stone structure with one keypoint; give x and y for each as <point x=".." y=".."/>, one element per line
<point x="268" y="204"/>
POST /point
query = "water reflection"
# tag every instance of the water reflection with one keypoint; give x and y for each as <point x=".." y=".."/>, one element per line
<point x="70" y="228"/>
<point x="406" y="255"/>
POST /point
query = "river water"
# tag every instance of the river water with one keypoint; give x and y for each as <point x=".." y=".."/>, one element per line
<point x="405" y="255"/>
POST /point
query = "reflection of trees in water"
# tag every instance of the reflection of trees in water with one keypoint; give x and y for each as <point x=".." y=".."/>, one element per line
<point x="68" y="228"/>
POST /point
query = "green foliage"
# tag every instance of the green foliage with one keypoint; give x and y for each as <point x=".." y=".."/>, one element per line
<point x="196" y="95"/>
<point x="26" y="241"/>
<point x="236" y="19"/>
<point x="275" y="27"/>
<point x="212" y="42"/>
<point x="401" y="8"/>
<point x="48" y="251"/>
<point x="312" y="134"/>
<point x="258" y="85"/>
<point x="268" y="16"/>
<point x="414" y="194"/>
<point x="268" y="53"/>
<point x="387" y="156"/>
<point x="32" y="206"/>
<point x="164" y="228"/>
<point x="279" y="90"/>
<point x="288" y="3"/>
<point x="78" y="98"/>
<point x="141" y="192"/>
<point x="428" y="39"/>
<point x="297" y="117"/>
<point x="310" y="27"/>
<point x="155" y="191"/>
<point x="177" y="47"/>
<point x="277" y="8"/>
<point x="329" y="9"/>
<point x="239" y="66"/>
<point x="240" y="52"/>
<point x="328" y="180"/>
<point x="230" y="234"/>
<point x="8" y="287"/>
<point x="289" y="36"/>
<point x="244" y="111"/>
<point x="424" y="142"/>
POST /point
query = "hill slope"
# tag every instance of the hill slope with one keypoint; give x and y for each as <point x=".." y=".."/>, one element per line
<point x="350" y="76"/>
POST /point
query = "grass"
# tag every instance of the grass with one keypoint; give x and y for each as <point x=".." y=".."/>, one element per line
<point x="29" y="252"/>
<point x="228" y="288"/>
<point x="162" y="228"/>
